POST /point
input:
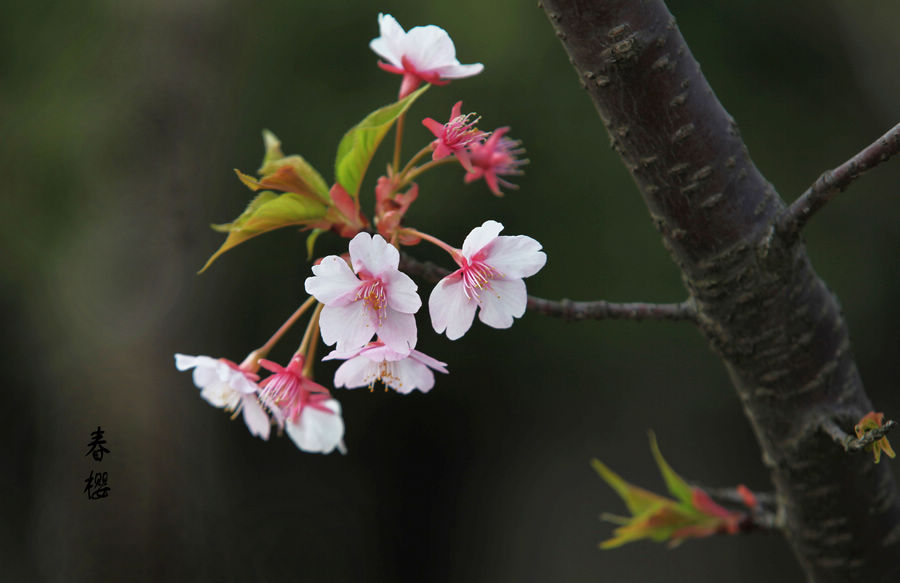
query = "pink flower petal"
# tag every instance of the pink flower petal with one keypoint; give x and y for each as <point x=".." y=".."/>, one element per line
<point x="348" y="326"/>
<point x="428" y="361"/>
<point x="373" y="255"/>
<point x="517" y="256"/>
<point x="401" y="292"/>
<point x="505" y="300"/>
<point x="355" y="372"/>
<point x="480" y="237"/>
<point x="450" y="309"/>
<point x="398" y="331"/>
<point x="333" y="282"/>
<point x="410" y="375"/>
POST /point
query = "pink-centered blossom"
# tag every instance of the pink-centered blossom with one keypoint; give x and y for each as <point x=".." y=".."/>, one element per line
<point x="455" y="136"/>
<point x="225" y="385"/>
<point x="303" y="407"/>
<point x="373" y="297"/>
<point x="491" y="268"/>
<point x="494" y="158"/>
<point x="376" y="362"/>
<point x="425" y="53"/>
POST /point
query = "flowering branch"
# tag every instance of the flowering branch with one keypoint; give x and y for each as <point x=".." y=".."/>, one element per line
<point x="851" y="443"/>
<point x="568" y="309"/>
<point x="832" y="182"/>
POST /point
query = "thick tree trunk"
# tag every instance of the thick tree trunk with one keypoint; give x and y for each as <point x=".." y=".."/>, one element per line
<point x="763" y="309"/>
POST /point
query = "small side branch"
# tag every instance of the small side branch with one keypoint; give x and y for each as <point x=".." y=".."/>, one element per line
<point x="850" y="442"/>
<point x="602" y="310"/>
<point x="763" y="516"/>
<point x="832" y="182"/>
<point x="570" y="310"/>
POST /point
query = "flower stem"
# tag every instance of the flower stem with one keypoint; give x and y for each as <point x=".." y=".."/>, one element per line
<point x="415" y="159"/>
<point x="398" y="142"/>
<point x="263" y="351"/>
<point x="313" y="342"/>
<point x="420" y="169"/>
<point x="311" y="329"/>
<point x="431" y="239"/>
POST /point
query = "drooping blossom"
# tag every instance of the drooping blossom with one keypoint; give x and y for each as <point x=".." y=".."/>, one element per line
<point x="303" y="407"/>
<point x="377" y="298"/>
<point x="455" y="136"/>
<point x="491" y="268"/>
<point x="425" y="53"/>
<point x="376" y="362"/>
<point x="225" y="385"/>
<point x="493" y="158"/>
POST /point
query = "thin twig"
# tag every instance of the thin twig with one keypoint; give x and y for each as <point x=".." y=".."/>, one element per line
<point x="832" y="182"/>
<point x="850" y="442"/>
<point x="570" y="310"/>
<point x="732" y="496"/>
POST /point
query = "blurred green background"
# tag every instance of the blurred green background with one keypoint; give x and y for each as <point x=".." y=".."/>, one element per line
<point x="121" y="123"/>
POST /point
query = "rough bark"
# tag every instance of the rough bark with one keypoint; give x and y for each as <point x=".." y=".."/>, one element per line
<point x="763" y="309"/>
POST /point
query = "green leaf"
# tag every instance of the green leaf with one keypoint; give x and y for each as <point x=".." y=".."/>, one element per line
<point x="268" y="212"/>
<point x="275" y="159"/>
<point x="259" y="200"/>
<point x="311" y="242"/>
<point x="358" y="145"/>
<point x="677" y="487"/>
<point x="636" y="499"/>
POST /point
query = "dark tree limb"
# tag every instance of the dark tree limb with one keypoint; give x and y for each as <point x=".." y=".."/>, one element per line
<point x="852" y="443"/>
<point x="833" y="182"/>
<point x="764" y="311"/>
<point x="570" y="310"/>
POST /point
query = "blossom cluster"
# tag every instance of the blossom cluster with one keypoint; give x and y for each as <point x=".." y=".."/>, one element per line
<point x="365" y="306"/>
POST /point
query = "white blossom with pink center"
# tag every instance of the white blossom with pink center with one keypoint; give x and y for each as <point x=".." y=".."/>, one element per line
<point x="425" y="53"/>
<point x="491" y="268"/>
<point x="376" y="362"/>
<point x="225" y="385"/>
<point x="375" y="297"/>
<point x="311" y="418"/>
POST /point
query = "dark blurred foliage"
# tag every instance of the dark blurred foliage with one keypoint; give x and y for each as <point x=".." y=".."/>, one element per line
<point x="120" y="124"/>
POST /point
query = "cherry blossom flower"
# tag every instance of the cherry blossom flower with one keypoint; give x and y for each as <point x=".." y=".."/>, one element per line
<point x="376" y="362"/>
<point x="455" y="136"/>
<point x="303" y="407"/>
<point x="378" y="298"/>
<point x="225" y="385"/>
<point x="425" y="53"/>
<point x="493" y="158"/>
<point x="491" y="268"/>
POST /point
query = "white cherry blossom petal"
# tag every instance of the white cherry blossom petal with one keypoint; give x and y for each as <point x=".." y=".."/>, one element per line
<point x="390" y="45"/>
<point x="515" y="257"/>
<point x="317" y="431"/>
<point x="480" y="236"/>
<point x="429" y="47"/>
<point x="459" y="71"/>
<point x="333" y="282"/>
<point x="506" y="299"/>
<point x="255" y="417"/>
<point x="450" y="309"/>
